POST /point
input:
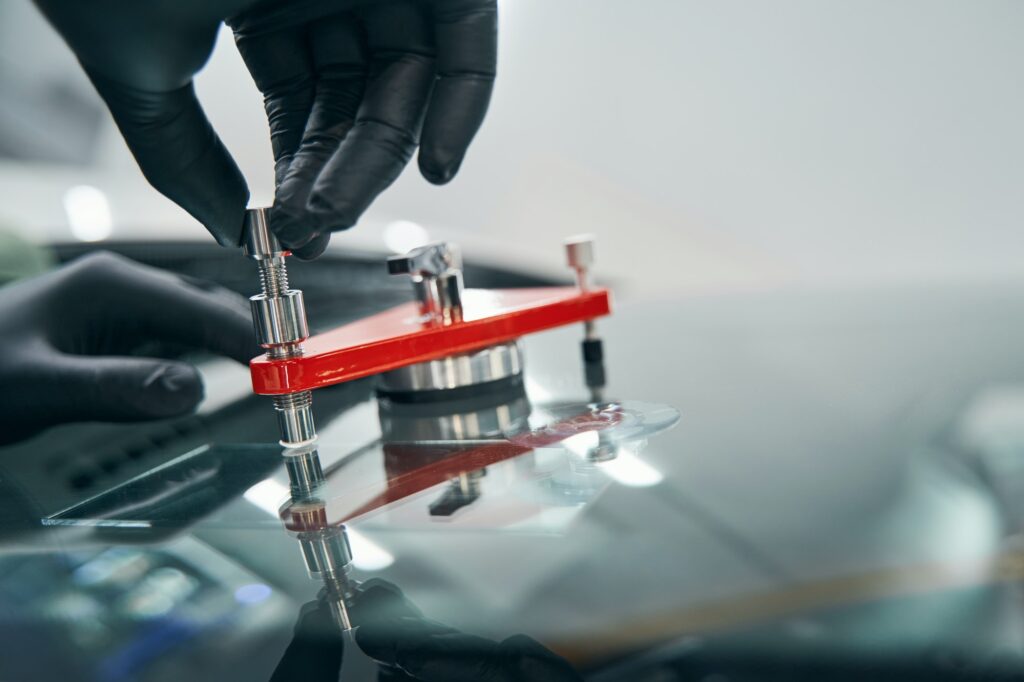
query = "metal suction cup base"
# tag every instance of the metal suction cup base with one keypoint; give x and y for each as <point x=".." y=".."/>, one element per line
<point x="458" y="375"/>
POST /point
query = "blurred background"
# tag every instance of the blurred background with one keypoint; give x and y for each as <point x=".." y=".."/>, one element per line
<point x="711" y="146"/>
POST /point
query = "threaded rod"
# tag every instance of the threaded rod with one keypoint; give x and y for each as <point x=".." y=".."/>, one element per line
<point x="273" y="277"/>
<point x="293" y="401"/>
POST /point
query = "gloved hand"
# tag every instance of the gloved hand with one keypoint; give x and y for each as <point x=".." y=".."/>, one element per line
<point x="67" y="335"/>
<point x="348" y="85"/>
<point x="390" y="629"/>
<point x="314" y="654"/>
<point x="411" y="647"/>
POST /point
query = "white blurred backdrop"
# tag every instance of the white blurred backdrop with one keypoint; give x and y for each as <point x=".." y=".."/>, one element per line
<point x="712" y="145"/>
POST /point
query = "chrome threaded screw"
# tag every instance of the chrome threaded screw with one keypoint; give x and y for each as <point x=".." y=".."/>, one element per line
<point x="279" y="316"/>
<point x="278" y="313"/>
<point x="295" y="417"/>
<point x="261" y="245"/>
<point x="273" y="276"/>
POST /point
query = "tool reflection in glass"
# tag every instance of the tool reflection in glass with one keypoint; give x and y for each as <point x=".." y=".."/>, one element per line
<point x="425" y="446"/>
<point x="279" y="317"/>
<point x="327" y="555"/>
<point x="418" y="436"/>
<point x="407" y="645"/>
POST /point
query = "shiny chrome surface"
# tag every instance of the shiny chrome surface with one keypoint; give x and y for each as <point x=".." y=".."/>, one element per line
<point x="305" y="473"/>
<point x="326" y="553"/>
<point x="426" y="261"/>
<point x="436" y="271"/>
<point x="295" y="418"/>
<point x="457" y="371"/>
<point x="448" y="287"/>
<point x="278" y="313"/>
<point x="258" y="242"/>
<point x="279" y="320"/>
<point x="418" y="423"/>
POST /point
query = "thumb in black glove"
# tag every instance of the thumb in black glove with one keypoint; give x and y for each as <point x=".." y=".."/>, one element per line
<point x="411" y="647"/>
<point x="67" y="336"/>
<point x="314" y="654"/>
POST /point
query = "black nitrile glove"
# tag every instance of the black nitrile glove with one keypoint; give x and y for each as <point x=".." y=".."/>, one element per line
<point x="141" y="56"/>
<point x="348" y="88"/>
<point x="67" y="335"/>
<point x="348" y="84"/>
<point x="314" y="654"/>
<point x="410" y="647"/>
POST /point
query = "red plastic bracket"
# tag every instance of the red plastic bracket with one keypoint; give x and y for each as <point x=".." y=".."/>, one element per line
<point x="403" y="336"/>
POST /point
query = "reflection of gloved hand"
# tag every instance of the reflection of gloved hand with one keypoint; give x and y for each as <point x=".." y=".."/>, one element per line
<point x="348" y="85"/>
<point x="67" y="335"/>
<point x="411" y="647"/>
<point x="314" y="654"/>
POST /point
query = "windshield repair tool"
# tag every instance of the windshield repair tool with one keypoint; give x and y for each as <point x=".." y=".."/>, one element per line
<point x="279" y="317"/>
<point x="449" y="341"/>
<point x="327" y="555"/>
<point x="436" y="271"/>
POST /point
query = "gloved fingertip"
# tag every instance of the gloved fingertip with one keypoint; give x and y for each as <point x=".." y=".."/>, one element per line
<point x="171" y="389"/>
<point x="314" y="248"/>
<point x="291" y="226"/>
<point x="379" y="598"/>
<point x="436" y="173"/>
<point x="376" y="585"/>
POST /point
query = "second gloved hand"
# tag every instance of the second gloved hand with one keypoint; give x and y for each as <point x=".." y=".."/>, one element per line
<point x="351" y="88"/>
<point x="68" y="336"/>
<point x="411" y="647"/>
